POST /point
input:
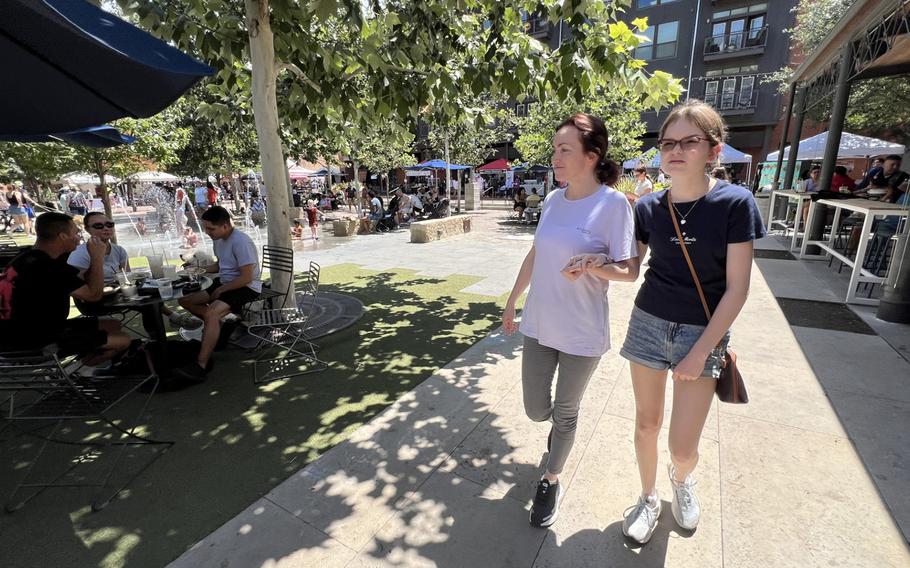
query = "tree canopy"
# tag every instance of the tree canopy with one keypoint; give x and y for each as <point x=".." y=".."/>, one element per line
<point x="620" y="112"/>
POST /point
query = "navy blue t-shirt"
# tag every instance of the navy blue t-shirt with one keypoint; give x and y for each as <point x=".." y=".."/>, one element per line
<point x="726" y="214"/>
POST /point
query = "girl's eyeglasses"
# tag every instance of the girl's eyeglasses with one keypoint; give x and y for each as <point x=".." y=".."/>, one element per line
<point x="99" y="226"/>
<point x="688" y="143"/>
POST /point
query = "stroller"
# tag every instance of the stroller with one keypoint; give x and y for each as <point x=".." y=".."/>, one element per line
<point x="387" y="223"/>
<point x="439" y="209"/>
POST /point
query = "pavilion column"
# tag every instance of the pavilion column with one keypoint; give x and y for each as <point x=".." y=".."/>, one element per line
<point x="799" y="113"/>
<point x="835" y="129"/>
<point x="783" y="137"/>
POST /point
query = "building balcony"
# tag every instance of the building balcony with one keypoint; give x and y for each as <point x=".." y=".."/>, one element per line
<point x="734" y="103"/>
<point x="737" y="44"/>
<point x="538" y="28"/>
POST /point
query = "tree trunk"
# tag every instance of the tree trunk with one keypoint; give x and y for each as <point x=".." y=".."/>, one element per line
<point x="448" y="171"/>
<point x="131" y="196"/>
<point x="265" y="112"/>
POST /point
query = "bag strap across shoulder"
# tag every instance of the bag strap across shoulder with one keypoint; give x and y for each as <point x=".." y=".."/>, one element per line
<point x="685" y="251"/>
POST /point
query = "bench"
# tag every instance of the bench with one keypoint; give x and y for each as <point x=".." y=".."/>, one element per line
<point x="438" y="229"/>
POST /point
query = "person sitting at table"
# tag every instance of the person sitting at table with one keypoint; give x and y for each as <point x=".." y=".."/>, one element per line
<point x="116" y="259"/>
<point x="888" y="176"/>
<point x="40" y="283"/>
<point x="239" y="284"/>
<point x="812" y="180"/>
<point x="140" y="227"/>
<point x="520" y="203"/>
<point x="532" y="203"/>
<point x="841" y="179"/>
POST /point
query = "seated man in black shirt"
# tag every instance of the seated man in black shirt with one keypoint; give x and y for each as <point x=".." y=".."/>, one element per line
<point x="42" y="283"/>
<point x="888" y="176"/>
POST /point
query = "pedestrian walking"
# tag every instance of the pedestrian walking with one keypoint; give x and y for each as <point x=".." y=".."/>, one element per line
<point x="585" y="239"/>
<point x="669" y="328"/>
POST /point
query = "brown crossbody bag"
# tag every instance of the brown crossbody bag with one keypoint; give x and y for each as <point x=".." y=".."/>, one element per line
<point x="730" y="386"/>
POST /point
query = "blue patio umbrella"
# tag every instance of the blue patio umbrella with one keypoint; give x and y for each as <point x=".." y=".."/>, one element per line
<point x="70" y="65"/>
<point x="95" y="137"/>
<point x="438" y="164"/>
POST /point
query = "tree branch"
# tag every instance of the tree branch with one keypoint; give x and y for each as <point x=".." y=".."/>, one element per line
<point x="300" y="74"/>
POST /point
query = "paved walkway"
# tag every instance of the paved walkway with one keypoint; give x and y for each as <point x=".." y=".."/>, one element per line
<point x="813" y="472"/>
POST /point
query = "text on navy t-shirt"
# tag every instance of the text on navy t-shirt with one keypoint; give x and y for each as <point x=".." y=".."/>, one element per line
<point x="726" y="214"/>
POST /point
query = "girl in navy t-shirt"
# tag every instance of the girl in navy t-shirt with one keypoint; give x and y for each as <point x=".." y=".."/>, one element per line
<point x="668" y="329"/>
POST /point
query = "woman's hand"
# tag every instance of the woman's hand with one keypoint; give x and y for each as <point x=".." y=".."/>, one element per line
<point x="580" y="264"/>
<point x="690" y="368"/>
<point x="508" y="319"/>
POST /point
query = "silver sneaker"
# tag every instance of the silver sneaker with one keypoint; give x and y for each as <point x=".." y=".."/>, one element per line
<point x="686" y="508"/>
<point x="191" y="334"/>
<point x="640" y="520"/>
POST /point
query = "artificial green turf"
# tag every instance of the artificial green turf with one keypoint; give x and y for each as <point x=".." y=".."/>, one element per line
<point x="236" y="441"/>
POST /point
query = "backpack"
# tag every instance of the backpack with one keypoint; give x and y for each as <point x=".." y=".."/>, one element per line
<point x="7" y="284"/>
<point x="77" y="200"/>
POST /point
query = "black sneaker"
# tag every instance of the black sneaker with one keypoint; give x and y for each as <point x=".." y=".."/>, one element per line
<point x="546" y="504"/>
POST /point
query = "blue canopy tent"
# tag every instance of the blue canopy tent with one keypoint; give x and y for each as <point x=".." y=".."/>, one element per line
<point x="70" y="65"/>
<point x="94" y="137"/>
<point x="438" y="164"/>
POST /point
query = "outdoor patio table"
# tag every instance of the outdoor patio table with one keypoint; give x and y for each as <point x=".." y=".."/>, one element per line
<point x="801" y="198"/>
<point x="869" y="209"/>
<point x="151" y="308"/>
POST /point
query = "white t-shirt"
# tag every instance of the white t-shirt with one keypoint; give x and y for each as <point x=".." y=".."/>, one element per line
<point x="643" y="187"/>
<point x="112" y="261"/>
<point x="573" y="317"/>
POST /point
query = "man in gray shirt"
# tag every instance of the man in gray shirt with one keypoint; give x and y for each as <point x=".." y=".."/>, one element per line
<point x="239" y="284"/>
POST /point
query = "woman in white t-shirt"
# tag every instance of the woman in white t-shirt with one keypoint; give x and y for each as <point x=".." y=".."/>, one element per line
<point x="585" y="239"/>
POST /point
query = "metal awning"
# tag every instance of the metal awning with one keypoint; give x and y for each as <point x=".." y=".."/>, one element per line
<point x="880" y="32"/>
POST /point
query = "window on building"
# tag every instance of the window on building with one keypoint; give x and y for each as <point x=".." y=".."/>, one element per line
<point x="711" y="93"/>
<point x="520" y="109"/>
<point x="730" y="92"/>
<point x="746" y="87"/>
<point x="652" y="3"/>
<point x="753" y="9"/>
<point x="737" y="33"/>
<point x="662" y="41"/>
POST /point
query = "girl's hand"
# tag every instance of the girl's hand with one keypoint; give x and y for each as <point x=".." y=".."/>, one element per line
<point x="508" y="320"/>
<point x="690" y="368"/>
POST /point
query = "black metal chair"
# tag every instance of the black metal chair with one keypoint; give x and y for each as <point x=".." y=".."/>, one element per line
<point x="276" y="259"/>
<point x="41" y="391"/>
<point x="287" y="329"/>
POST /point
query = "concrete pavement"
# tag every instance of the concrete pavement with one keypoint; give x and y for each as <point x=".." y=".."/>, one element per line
<point x="813" y="472"/>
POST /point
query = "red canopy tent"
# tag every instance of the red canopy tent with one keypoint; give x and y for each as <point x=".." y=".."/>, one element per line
<point x="500" y="165"/>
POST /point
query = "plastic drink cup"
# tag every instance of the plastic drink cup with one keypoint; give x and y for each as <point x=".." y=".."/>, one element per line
<point x="155" y="265"/>
<point x="170" y="271"/>
<point x="165" y="288"/>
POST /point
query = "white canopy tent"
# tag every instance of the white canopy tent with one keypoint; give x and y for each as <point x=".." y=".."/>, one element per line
<point x="85" y="179"/>
<point x="152" y="177"/>
<point x="851" y="146"/>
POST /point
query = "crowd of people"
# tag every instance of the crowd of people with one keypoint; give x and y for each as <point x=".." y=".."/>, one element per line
<point x="36" y="287"/>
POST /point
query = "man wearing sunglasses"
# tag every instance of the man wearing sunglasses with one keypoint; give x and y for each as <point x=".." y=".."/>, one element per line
<point x="116" y="259"/>
<point x="39" y="284"/>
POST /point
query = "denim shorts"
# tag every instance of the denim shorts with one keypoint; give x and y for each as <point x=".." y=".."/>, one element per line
<point x="660" y="344"/>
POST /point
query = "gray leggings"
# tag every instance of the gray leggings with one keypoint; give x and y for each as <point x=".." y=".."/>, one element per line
<point x="538" y="367"/>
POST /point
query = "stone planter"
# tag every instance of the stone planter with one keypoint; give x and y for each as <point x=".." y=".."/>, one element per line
<point x="344" y="227"/>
